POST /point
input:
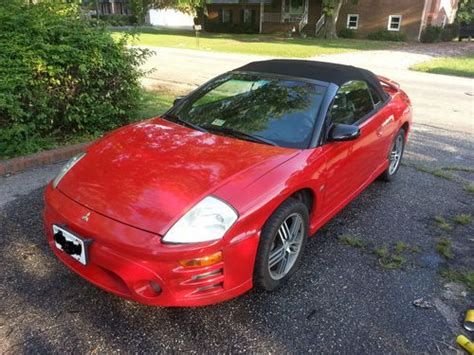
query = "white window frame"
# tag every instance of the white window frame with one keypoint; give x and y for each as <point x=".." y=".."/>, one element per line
<point x="445" y="21"/>
<point x="349" y="21"/>
<point x="389" y="27"/>
<point x="248" y="14"/>
<point x="223" y="10"/>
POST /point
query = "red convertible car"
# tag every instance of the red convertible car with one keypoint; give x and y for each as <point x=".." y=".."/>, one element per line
<point x="220" y="194"/>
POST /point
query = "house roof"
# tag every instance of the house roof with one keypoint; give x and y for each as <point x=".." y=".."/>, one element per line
<point x="329" y="72"/>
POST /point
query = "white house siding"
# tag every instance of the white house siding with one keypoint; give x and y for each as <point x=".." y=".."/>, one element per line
<point x="170" y="18"/>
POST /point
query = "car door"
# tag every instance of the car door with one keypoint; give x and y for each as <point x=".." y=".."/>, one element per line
<point x="351" y="164"/>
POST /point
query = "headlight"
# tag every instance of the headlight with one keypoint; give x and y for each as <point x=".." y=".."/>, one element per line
<point x="208" y="220"/>
<point x="74" y="160"/>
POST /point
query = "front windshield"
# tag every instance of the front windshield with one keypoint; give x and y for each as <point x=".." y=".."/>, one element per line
<point x="281" y="111"/>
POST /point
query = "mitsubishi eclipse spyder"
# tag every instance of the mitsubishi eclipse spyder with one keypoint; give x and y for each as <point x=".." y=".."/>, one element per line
<point x="221" y="193"/>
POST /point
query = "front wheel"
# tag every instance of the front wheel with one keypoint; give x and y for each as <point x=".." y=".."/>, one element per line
<point x="281" y="246"/>
<point x="395" y="156"/>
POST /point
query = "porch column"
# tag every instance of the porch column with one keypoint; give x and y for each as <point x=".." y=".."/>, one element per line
<point x="282" y="19"/>
<point x="262" y="8"/>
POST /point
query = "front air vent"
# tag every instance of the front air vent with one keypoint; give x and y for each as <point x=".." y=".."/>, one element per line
<point x="208" y="274"/>
<point x="210" y="287"/>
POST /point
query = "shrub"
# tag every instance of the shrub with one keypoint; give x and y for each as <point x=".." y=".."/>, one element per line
<point x="431" y="34"/>
<point x="347" y="33"/>
<point x="386" y="35"/>
<point x="450" y="32"/>
<point x="61" y="76"/>
<point x="117" y="20"/>
<point x="211" y="26"/>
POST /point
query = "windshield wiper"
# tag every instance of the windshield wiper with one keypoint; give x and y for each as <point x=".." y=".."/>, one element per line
<point x="176" y="118"/>
<point x="240" y="134"/>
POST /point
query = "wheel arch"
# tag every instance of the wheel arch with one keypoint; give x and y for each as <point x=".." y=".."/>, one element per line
<point x="307" y="196"/>
<point x="406" y="127"/>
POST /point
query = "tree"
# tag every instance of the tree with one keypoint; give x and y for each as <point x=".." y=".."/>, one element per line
<point x="465" y="12"/>
<point x="192" y="7"/>
<point x="331" y="9"/>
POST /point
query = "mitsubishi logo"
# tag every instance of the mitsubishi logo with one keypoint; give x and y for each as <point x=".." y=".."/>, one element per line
<point x="85" y="218"/>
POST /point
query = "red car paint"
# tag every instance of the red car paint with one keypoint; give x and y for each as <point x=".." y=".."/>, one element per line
<point x="139" y="180"/>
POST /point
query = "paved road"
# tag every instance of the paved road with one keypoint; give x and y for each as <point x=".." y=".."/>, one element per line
<point x="439" y="100"/>
<point x="340" y="301"/>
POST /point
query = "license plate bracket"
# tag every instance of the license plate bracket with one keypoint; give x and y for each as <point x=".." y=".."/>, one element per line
<point x="71" y="244"/>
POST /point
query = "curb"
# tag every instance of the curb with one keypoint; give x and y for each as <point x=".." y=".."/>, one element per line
<point x="19" y="164"/>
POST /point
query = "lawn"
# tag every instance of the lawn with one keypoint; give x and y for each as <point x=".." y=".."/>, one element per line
<point x="153" y="103"/>
<point x="458" y="66"/>
<point x="266" y="45"/>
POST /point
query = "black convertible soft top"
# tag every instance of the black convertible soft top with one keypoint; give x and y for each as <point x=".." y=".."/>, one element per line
<point x="329" y="72"/>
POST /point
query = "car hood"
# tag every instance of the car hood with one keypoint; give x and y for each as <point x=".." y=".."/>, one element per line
<point x="149" y="174"/>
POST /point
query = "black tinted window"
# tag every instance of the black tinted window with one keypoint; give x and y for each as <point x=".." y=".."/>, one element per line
<point x="375" y="96"/>
<point x="352" y="102"/>
<point x="280" y="110"/>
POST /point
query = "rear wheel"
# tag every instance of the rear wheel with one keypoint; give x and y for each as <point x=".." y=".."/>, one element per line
<point x="395" y="156"/>
<point x="281" y="246"/>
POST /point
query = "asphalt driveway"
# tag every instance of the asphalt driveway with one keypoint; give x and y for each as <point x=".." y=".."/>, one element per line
<point x="344" y="299"/>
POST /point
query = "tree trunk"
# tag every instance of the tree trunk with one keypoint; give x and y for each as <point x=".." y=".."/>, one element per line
<point x="329" y="29"/>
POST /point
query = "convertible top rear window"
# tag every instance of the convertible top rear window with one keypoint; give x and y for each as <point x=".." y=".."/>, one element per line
<point x="280" y="110"/>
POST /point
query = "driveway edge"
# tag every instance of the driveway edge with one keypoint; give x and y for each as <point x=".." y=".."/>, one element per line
<point x="16" y="165"/>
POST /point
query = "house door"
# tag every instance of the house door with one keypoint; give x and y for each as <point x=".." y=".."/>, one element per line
<point x="293" y="9"/>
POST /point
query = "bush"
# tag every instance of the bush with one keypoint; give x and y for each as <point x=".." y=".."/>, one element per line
<point x="450" y="32"/>
<point x="219" y="27"/>
<point x="431" y="34"/>
<point x="61" y="77"/>
<point x="117" y="20"/>
<point x="347" y="33"/>
<point x="386" y="35"/>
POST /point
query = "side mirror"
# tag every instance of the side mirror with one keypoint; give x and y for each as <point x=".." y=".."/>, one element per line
<point x="178" y="100"/>
<point x="343" y="132"/>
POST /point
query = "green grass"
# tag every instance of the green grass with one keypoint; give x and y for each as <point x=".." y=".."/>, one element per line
<point x="391" y="261"/>
<point x="443" y="247"/>
<point x="459" y="168"/>
<point x="152" y="104"/>
<point x="463" y="219"/>
<point x="458" y="66"/>
<point x="441" y="173"/>
<point x="352" y="241"/>
<point x="469" y="188"/>
<point x="463" y="276"/>
<point x="400" y="247"/>
<point x="442" y="223"/>
<point x="267" y="45"/>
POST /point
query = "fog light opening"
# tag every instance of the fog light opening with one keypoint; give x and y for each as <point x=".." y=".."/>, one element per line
<point x="157" y="288"/>
<point x="147" y="288"/>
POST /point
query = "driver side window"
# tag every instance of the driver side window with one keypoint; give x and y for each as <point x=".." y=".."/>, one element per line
<point x="351" y="103"/>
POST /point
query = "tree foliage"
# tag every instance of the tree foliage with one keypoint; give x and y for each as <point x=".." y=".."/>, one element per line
<point x="465" y="13"/>
<point x="61" y="75"/>
<point x="192" y="7"/>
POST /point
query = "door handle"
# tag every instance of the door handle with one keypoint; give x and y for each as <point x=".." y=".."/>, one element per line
<point x="388" y="121"/>
<point x="385" y="123"/>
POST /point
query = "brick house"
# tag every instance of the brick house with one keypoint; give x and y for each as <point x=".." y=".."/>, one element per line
<point x="110" y="7"/>
<point x="269" y="16"/>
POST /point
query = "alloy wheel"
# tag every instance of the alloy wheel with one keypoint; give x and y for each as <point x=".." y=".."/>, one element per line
<point x="396" y="154"/>
<point x="286" y="246"/>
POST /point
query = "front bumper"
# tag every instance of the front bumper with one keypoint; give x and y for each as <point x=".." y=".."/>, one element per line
<point x="126" y="261"/>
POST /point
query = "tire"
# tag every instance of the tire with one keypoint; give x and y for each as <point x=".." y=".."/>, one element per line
<point x="271" y="277"/>
<point x="396" y="152"/>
